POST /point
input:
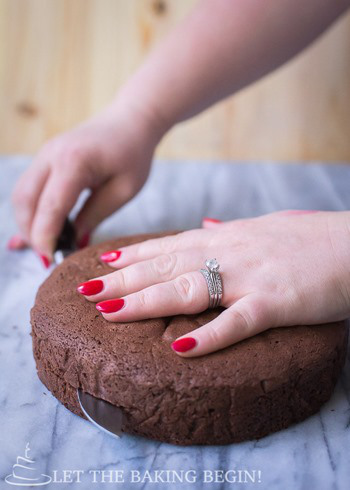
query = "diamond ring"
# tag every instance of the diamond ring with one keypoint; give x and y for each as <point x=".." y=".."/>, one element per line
<point x="214" y="282"/>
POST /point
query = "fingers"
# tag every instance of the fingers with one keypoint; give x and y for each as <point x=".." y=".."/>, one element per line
<point x="42" y="199"/>
<point x="210" y="222"/>
<point x="187" y="293"/>
<point x="26" y="195"/>
<point x="16" y="243"/>
<point x="245" y="318"/>
<point x="140" y="275"/>
<point x="153" y="247"/>
<point x="103" y="202"/>
<point x="57" y="199"/>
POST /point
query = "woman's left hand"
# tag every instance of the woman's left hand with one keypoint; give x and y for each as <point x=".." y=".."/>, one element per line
<point x="280" y="269"/>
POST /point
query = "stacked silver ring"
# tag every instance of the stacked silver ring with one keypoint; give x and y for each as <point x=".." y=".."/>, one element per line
<point x="214" y="282"/>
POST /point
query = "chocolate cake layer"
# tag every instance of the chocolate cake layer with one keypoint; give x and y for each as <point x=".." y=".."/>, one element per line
<point x="246" y="391"/>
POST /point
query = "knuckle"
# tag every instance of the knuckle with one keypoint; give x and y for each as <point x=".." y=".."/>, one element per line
<point x="213" y="335"/>
<point x="184" y="288"/>
<point x="167" y="243"/>
<point x="119" y="280"/>
<point x="69" y="156"/>
<point x="255" y="314"/>
<point x="142" y="249"/>
<point x="244" y="318"/>
<point x="170" y="243"/>
<point x="163" y="265"/>
<point x="51" y="207"/>
<point x="144" y="299"/>
<point x="253" y="263"/>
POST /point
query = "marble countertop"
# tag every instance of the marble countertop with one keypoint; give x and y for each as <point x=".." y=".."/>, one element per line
<point x="70" y="450"/>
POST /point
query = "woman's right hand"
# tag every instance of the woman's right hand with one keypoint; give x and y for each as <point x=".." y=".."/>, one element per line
<point x="109" y="154"/>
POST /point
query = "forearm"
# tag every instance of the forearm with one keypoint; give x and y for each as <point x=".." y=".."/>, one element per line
<point x="221" y="47"/>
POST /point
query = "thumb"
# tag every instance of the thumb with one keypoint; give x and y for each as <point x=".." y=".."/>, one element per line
<point x="102" y="202"/>
<point x="246" y="317"/>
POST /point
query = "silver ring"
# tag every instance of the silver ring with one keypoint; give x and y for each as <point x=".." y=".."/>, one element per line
<point x="214" y="282"/>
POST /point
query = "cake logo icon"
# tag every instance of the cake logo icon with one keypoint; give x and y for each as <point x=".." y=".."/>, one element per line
<point x="24" y="473"/>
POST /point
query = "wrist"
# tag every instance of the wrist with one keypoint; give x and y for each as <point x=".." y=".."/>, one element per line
<point x="143" y="112"/>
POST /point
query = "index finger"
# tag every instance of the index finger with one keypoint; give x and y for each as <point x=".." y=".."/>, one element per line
<point x="57" y="199"/>
<point x="26" y="194"/>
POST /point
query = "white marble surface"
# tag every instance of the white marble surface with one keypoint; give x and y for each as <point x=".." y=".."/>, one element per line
<point x="312" y="454"/>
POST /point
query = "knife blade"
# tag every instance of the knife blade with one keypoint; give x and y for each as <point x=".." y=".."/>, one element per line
<point x="66" y="242"/>
<point x="104" y="415"/>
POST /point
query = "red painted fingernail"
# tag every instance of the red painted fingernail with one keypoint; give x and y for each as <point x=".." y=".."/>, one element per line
<point x="110" y="305"/>
<point x="45" y="261"/>
<point x="84" y="240"/>
<point x="212" y="220"/>
<point x="90" y="287"/>
<point x="183" y="345"/>
<point x="14" y="243"/>
<point x="111" y="256"/>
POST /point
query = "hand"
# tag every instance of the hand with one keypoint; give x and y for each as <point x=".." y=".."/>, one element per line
<point x="280" y="269"/>
<point x="110" y="154"/>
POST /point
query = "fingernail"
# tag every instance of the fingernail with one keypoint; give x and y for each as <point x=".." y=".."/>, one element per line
<point x="183" y="345"/>
<point x="14" y="242"/>
<point x="110" y="305"/>
<point x="111" y="256"/>
<point x="212" y="220"/>
<point x="84" y="240"/>
<point x="90" y="287"/>
<point x="45" y="261"/>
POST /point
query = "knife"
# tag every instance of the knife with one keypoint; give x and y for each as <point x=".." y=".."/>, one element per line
<point x="66" y="242"/>
<point x="104" y="415"/>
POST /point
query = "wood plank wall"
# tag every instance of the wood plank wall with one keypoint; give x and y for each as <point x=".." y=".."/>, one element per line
<point x="62" y="60"/>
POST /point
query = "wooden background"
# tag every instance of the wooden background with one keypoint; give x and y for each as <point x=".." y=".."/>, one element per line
<point x="62" y="60"/>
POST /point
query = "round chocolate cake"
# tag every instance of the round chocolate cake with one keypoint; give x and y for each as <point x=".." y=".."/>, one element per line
<point x="246" y="391"/>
